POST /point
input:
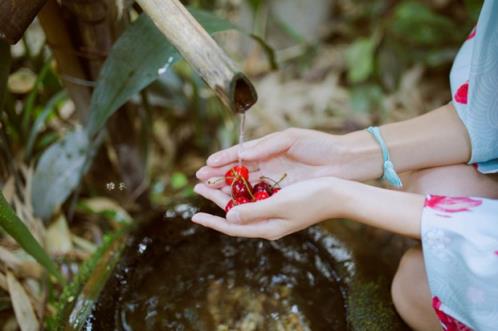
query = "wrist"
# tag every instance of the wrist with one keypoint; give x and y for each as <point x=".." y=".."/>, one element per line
<point x="340" y="196"/>
<point x="361" y="156"/>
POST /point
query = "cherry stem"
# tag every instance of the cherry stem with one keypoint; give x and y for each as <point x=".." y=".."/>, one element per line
<point x="275" y="183"/>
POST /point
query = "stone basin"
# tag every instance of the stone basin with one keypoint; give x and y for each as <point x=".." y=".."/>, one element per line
<point x="170" y="274"/>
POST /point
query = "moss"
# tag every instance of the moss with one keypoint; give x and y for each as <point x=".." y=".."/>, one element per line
<point x="370" y="307"/>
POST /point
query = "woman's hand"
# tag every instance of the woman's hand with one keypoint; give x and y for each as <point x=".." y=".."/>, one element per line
<point x="436" y="138"/>
<point x="308" y="202"/>
<point x="292" y="209"/>
<point x="298" y="153"/>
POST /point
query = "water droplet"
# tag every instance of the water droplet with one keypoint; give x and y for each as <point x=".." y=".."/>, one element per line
<point x="166" y="66"/>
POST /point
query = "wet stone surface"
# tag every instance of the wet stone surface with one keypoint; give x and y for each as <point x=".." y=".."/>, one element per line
<point x="179" y="276"/>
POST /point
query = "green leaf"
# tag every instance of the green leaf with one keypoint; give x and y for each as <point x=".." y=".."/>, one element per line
<point x="30" y="101"/>
<point x="134" y="62"/>
<point x="417" y="23"/>
<point x="50" y="107"/>
<point x="178" y="180"/>
<point x="360" y="59"/>
<point x="18" y="230"/>
<point x="59" y="171"/>
<point x="366" y="98"/>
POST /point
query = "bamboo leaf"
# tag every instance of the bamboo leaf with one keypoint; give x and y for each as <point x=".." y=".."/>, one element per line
<point x="59" y="171"/>
<point x="18" y="230"/>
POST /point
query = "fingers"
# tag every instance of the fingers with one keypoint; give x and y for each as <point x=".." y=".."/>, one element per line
<point x="266" y="147"/>
<point x="220" y="198"/>
<point x="229" y="155"/>
<point x="269" y="229"/>
<point x="214" y="174"/>
<point x="253" y="150"/>
<point x="207" y="172"/>
<point x="253" y="212"/>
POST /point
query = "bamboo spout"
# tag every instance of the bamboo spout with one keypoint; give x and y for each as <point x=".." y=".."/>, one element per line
<point x="201" y="51"/>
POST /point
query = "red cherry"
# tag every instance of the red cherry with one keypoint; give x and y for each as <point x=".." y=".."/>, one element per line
<point x="262" y="187"/>
<point x="241" y="188"/>
<point x="258" y="196"/>
<point x="242" y="200"/>
<point x="230" y="205"/>
<point x="235" y="173"/>
<point x="275" y="190"/>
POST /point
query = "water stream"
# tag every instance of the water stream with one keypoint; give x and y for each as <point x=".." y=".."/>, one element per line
<point x="242" y="125"/>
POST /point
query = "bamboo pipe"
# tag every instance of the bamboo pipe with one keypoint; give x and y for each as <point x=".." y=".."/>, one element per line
<point x="202" y="52"/>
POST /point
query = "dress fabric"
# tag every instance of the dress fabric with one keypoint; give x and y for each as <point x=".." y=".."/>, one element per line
<point x="474" y="86"/>
<point x="460" y="247"/>
<point x="460" y="234"/>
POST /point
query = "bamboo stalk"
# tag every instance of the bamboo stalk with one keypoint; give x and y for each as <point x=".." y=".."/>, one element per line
<point x="202" y="52"/>
<point x="69" y="66"/>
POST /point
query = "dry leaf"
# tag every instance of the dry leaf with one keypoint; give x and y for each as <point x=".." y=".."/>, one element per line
<point x="25" y="314"/>
<point x="83" y="244"/>
<point x="9" y="189"/>
<point x="22" y="81"/>
<point x="21" y="263"/>
<point x="3" y="282"/>
<point x="11" y="324"/>
<point x="58" y="237"/>
<point x="101" y="204"/>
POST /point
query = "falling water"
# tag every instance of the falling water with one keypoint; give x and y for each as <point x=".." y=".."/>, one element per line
<point x="242" y="125"/>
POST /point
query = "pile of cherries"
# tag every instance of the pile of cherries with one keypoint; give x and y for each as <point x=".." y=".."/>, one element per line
<point x="242" y="191"/>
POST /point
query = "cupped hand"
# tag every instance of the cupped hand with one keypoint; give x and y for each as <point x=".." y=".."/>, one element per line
<point x="297" y="153"/>
<point x="292" y="209"/>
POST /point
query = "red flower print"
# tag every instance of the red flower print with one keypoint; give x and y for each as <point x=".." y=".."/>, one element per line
<point x="449" y="323"/>
<point x="451" y="204"/>
<point x="472" y="33"/>
<point x="496" y="253"/>
<point x="461" y="93"/>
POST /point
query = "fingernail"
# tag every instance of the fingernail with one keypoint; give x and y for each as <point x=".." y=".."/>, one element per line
<point x="200" y="172"/>
<point x="233" y="216"/>
<point x="196" y="188"/>
<point x="195" y="219"/>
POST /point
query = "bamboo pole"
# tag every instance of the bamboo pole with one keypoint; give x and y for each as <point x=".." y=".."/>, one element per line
<point x="202" y="52"/>
<point x="68" y="64"/>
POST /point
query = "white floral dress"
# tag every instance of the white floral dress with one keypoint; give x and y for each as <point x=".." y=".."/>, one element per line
<point x="460" y="234"/>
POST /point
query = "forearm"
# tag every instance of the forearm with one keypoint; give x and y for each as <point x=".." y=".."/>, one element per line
<point x="434" y="139"/>
<point x="394" y="211"/>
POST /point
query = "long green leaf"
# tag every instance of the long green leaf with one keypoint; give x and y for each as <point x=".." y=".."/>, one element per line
<point x="18" y="230"/>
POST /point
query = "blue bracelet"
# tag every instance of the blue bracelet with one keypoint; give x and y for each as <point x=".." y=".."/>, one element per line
<point x="390" y="174"/>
